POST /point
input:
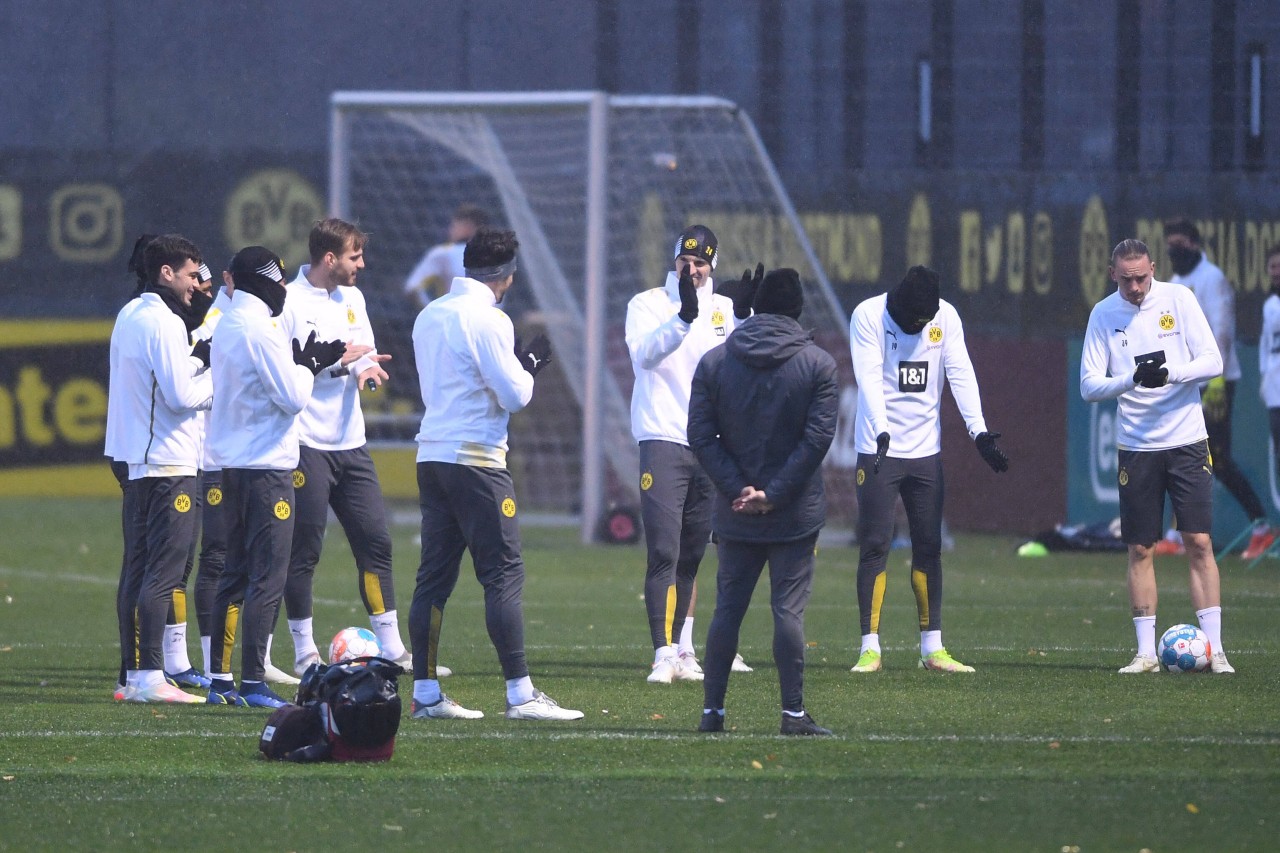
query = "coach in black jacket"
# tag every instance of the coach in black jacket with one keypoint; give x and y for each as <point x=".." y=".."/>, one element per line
<point x="761" y="417"/>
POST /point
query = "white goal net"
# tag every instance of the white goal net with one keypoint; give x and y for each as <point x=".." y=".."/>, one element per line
<point x="596" y="188"/>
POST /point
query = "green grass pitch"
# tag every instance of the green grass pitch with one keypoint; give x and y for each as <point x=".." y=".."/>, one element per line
<point x="1045" y="748"/>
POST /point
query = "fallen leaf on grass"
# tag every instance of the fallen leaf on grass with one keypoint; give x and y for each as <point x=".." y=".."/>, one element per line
<point x="718" y="799"/>
<point x="1193" y="808"/>
<point x="771" y="816"/>
<point x="389" y="827"/>
<point x="756" y="764"/>
<point x="656" y="717"/>
<point x="1053" y="744"/>
<point x="8" y="778"/>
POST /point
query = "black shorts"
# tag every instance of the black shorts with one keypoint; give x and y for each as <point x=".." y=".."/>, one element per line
<point x="1185" y="473"/>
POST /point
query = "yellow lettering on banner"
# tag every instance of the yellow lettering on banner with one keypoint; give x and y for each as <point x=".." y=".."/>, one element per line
<point x="80" y="411"/>
<point x="33" y="393"/>
<point x="10" y="223"/>
<point x="1016" y="259"/>
<point x="994" y="246"/>
<point x="1095" y="251"/>
<point x="273" y="208"/>
<point x="8" y="420"/>
<point x="1042" y="253"/>
<point x="919" y="232"/>
<point x="970" y="251"/>
<point x="848" y="245"/>
<point x="1151" y="232"/>
<point x="653" y="243"/>
<point x="86" y="222"/>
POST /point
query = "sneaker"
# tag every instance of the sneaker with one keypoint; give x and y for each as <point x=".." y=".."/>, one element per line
<point x="162" y="692"/>
<point x="942" y="661"/>
<point x="1218" y="664"/>
<point x="405" y="662"/>
<point x="687" y="673"/>
<point x="739" y="665"/>
<point x="868" y="661"/>
<point x="711" y="721"/>
<point x="689" y="662"/>
<point x="122" y="693"/>
<point x="444" y="709"/>
<point x="273" y="674"/>
<point x="259" y="695"/>
<point x="541" y="707"/>
<point x="190" y="677"/>
<point x="301" y="666"/>
<point x="801" y="726"/>
<point x="225" y="693"/>
<point x="1142" y="663"/>
<point x="1259" y="543"/>
<point x="1169" y="548"/>
<point x="663" y="672"/>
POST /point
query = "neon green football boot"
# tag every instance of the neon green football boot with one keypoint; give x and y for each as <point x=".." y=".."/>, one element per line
<point x="868" y="661"/>
<point x="942" y="661"/>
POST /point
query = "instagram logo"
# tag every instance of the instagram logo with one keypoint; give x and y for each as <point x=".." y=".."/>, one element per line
<point x="86" y="222"/>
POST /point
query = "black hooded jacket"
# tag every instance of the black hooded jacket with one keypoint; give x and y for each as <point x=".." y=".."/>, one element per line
<point x="763" y="413"/>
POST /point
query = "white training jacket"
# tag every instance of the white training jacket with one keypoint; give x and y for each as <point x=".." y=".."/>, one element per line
<point x="900" y="379"/>
<point x="253" y="423"/>
<point x="1269" y="352"/>
<point x="1170" y="325"/>
<point x="665" y="351"/>
<point x="470" y="378"/>
<point x="332" y="419"/>
<point x="1217" y="300"/>
<point x="440" y="265"/>
<point x="155" y="389"/>
<point x="221" y="304"/>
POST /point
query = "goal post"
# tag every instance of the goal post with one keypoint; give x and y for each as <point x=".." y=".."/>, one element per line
<point x="596" y="188"/>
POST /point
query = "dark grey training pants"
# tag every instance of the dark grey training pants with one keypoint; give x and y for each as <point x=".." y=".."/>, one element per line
<point x="790" y="582"/>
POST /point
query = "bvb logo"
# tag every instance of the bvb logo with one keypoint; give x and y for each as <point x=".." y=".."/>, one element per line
<point x="862" y="476"/>
<point x="299" y="479"/>
<point x="1124" y="477"/>
<point x="935" y="335"/>
<point x="282" y="510"/>
<point x="273" y="208"/>
<point x="691" y="243"/>
<point x="182" y="503"/>
<point x="509" y="507"/>
<point x="717" y="318"/>
<point x="351" y="315"/>
<point x="214" y="496"/>
<point x="1166" y="321"/>
<point x="646" y="481"/>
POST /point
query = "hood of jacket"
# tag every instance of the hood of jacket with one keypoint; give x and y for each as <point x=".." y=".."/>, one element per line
<point x="767" y="340"/>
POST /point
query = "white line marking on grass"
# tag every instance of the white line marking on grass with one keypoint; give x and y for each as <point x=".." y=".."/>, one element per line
<point x="143" y="733"/>
<point x="72" y="577"/>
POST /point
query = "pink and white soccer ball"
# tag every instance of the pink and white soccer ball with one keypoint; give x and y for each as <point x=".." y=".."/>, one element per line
<point x="1184" y="648"/>
<point x="353" y="643"/>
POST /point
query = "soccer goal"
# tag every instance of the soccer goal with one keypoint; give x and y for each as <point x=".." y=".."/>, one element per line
<point x="596" y="188"/>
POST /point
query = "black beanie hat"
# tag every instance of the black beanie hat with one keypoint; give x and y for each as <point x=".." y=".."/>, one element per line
<point x="258" y="270"/>
<point x="780" y="293"/>
<point x="913" y="302"/>
<point x="700" y="241"/>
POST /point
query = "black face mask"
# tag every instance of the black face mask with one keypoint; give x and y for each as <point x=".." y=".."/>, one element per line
<point x="1183" y="259"/>
<point x="271" y="293"/>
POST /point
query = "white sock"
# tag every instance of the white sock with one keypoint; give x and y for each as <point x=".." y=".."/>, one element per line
<point x="930" y="642"/>
<point x="222" y="676"/>
<point x="206" y="644"/>
<point x="719" y="711"/>
<point x="520" y="690"/>
<point x="1211" y="623"/>
<point x="386" y="627"/>
<point x="686" y="637"/>
<point x="796" y="714"/>
<point x="149" y="678"/>
<point x="304" y="643"/>
<point x="426" y="691"/>
<point x="1145" y="626"/>
<point x="175" y="649"/>
<point x="131" y="678"/>
<point x="870" y="643"/>
<point x="664" y="653"/>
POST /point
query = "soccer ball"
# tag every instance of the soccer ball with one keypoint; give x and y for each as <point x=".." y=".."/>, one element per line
<point x="353" y="643"/>
<point x="1184" y="648"/>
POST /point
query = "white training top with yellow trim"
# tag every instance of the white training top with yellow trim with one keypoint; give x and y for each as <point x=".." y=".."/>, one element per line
<point x="900" y="379"/>
<point x="1170" y="327"/>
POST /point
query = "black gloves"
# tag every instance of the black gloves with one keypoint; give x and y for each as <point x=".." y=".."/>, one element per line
<point x="882" y="447"/>
<point x="991" y="454"/>
<point x="743" y="292"/>
<point x="201" y="351"/>
<point x="536" y="356"/>
<point x="688" y="296"/>
<point x="317" y="355"/>
<point x="1150" y="374"/>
